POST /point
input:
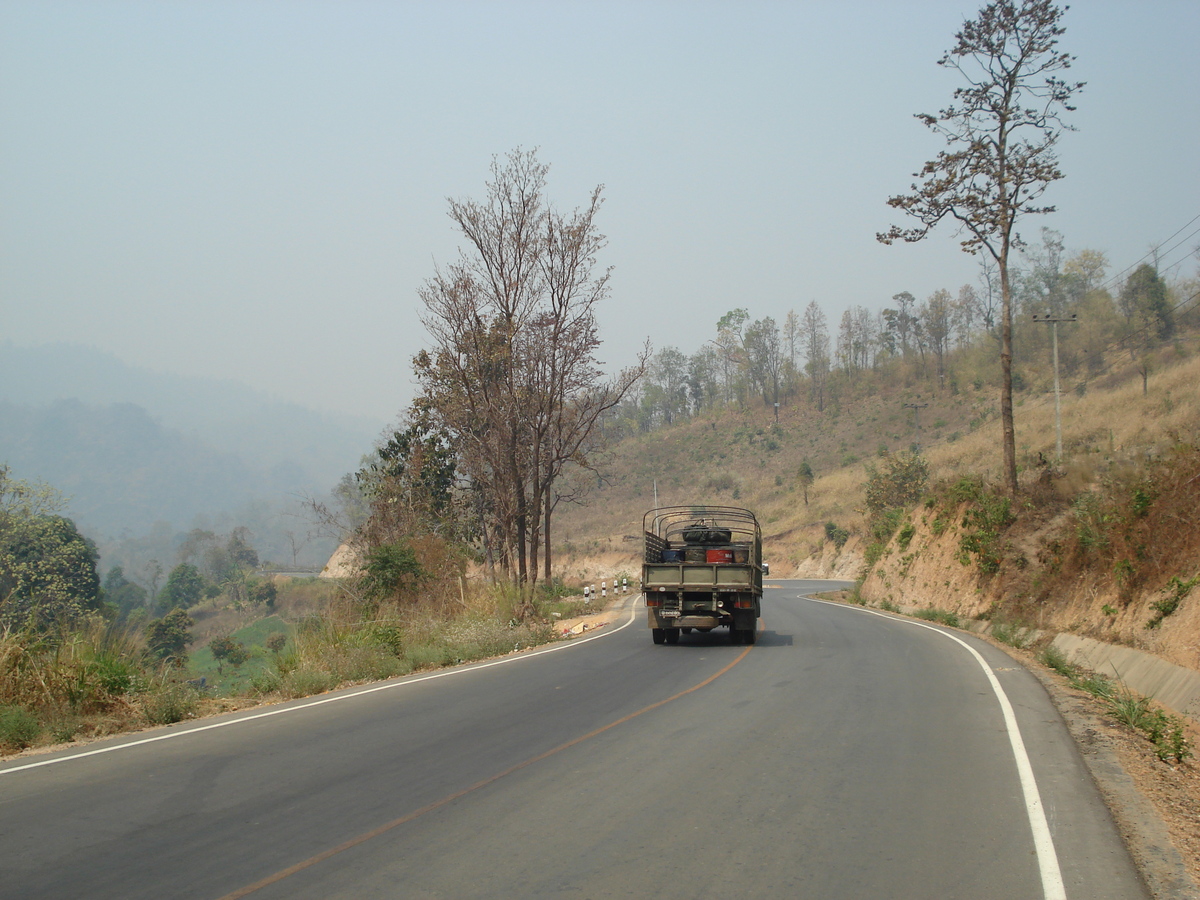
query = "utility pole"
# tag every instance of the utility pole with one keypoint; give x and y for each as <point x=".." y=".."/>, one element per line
<point x="1054" y="320"/>
<point x="916" y="408"/>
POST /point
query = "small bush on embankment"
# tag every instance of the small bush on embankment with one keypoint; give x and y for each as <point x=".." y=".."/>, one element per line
<point x="941" y="616"/>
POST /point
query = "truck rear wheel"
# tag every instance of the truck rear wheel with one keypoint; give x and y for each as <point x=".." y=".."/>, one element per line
<point x="672" y="635"/>
<point x="659" y="635"/>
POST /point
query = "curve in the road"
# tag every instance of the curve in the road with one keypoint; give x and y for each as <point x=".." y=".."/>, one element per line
<point x="1051" y="874"/>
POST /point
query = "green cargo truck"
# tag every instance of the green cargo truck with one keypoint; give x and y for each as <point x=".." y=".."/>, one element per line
<point x="702" y="569"/>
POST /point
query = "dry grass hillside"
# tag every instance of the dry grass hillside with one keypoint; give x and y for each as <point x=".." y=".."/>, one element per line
<point x="743" y="457"/>
<point x="1119" y="444"/>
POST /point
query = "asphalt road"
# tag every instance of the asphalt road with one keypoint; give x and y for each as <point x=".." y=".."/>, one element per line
<point x="846" y="755"/>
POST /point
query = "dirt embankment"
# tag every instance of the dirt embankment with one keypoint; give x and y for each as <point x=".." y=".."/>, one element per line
<point x="928" y="571"/>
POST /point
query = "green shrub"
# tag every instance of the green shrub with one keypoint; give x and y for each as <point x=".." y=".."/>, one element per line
<point x="941" y="616"/>
<point x="1053" y="658"/>
<point x="984" y="523"/>
<point x="1168" y="735"/>
<point x="266" y="681"/>
<point x="18" y="727"/>
<point x="387" y="636"/>
<point x="304" y="682"/>
<point x="899" y="485"/>
<point x="390" y="570"/>
<point x="884" y="525"/>
<point x="1140" y="500"/>
<point x="1129" y="709"/>
<point x="873" y="553"/>
<point x="1092" y="519"/>
<point x="1096" y="685"/>
<point x="1013" y="635"/>
<point x="966" y="490"/>
<point x="836" y="534"/>
<point x="169" y="702"/>
<point x="1178" y="590"/>
<point x="431" y="656"/>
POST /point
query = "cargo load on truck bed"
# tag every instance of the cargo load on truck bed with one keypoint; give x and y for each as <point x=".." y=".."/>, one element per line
<point x="702" y="569"/>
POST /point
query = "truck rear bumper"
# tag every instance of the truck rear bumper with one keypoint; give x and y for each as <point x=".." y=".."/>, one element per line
<point x="739" y="619"/>
<point x="690" y="622"/>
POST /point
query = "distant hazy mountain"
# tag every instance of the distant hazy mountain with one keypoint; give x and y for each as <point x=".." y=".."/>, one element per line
<point x="227" y="415"/>
<point x="133" y="447"/>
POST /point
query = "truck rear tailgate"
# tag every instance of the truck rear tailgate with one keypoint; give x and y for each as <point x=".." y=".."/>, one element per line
<point x="685" y="576"/>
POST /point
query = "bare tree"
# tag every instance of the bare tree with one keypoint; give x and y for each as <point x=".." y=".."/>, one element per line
<point x="791" y="337"/>
<point x="764" y="357"/>
<point x="513" y="378"/>
<point x="668" y="375"/>
<point x="965" y="312"/>
<point x="936" y="315"/>
<point x="865" y="336"/>
<point x="731" y="350"/>
<point x="1001" y="130"/>
<point x="814" y="330"/>
<point x="903" y="320"/>
<point x="702" y="378"/>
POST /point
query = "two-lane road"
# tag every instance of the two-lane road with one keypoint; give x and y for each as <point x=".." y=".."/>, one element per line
<point x="847" y="754"/>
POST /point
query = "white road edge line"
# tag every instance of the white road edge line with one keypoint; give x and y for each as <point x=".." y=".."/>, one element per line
<point x="1043" y="842"/>
<point x="351" y="694"/>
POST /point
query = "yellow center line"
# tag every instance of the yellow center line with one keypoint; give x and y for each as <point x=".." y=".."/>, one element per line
<point x="438" y="804"/>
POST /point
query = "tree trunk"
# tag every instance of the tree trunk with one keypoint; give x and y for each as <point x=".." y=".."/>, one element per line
<point x="546" y="536"/>
<point x="1006" y="357"/>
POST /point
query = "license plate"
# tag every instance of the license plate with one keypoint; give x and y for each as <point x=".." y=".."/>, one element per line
<point x="670" y="614"/>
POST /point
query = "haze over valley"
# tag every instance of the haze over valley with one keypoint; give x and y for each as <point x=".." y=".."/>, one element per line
<point x="145" y="456"/>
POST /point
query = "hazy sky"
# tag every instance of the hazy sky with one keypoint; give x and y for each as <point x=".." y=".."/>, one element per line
<point x="256" y="190"/>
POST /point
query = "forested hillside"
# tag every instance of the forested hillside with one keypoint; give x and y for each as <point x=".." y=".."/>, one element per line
<point x="918" y="374"/>
<point x="943" y="345"/>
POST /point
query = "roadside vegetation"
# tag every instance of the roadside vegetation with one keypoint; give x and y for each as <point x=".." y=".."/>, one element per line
<point x="82" y="656"/>
<point x="1167" y="732"/>
<point x="98" y="676"/>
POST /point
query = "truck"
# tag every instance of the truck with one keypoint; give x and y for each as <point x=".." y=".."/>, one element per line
<point x="702" y="569"/>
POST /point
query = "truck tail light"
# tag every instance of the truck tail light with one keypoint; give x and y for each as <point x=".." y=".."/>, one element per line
<point x="653" y="599"/>
<point x="743" y="603"/>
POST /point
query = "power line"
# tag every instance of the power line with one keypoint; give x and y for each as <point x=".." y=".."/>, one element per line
<point x="1105" y="370"/>
<point x="1111" y="282"/>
